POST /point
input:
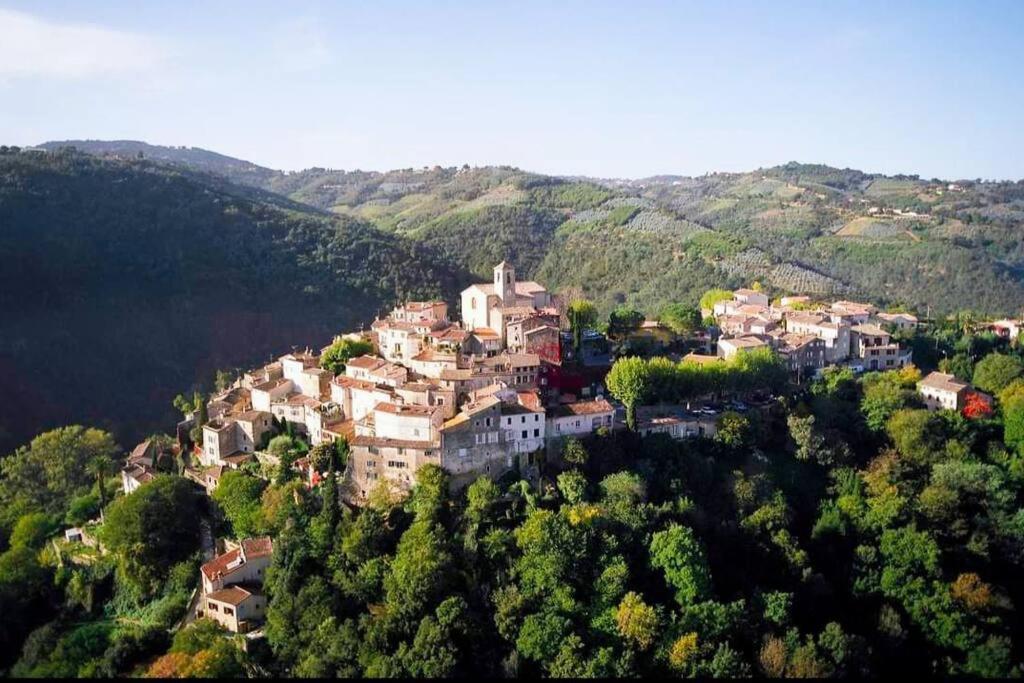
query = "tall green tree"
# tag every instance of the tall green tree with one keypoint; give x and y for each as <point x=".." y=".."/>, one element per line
<point x="629" y="381"/>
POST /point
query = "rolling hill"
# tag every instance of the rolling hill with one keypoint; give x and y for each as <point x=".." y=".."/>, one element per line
<point x="135" y="271"/>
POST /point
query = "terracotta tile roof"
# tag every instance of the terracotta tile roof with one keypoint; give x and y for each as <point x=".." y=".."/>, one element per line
<point x="270" y="385"/>
<point x="252" y="416"/>
<point x="226" y="564"/>
<point x="530" y="399"/>
<point x="234" y="595"/>
<point x="396" y="409"/>
<point x="594" y="407"/>
<point x="352" y="382"/>
<point x="384" y="442"/>
<point x="237" y="458"/>
<point x="873" y="330"/>
<point x="485" y="333"/>
<point x="366" y="362"/>
<point x="943" y="382"/>
<point x="529" y="287"/>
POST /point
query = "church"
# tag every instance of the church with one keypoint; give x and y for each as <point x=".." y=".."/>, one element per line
<point x="492" y="307"/>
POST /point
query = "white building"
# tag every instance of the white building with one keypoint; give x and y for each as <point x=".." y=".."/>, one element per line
<point x="941" y="391"/>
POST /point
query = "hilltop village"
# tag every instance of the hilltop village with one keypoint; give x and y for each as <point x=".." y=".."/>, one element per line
<point x="502" y="388"/>
<point x="453" y="453"/>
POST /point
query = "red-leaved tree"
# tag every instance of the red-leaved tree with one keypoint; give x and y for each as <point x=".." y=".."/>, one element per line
<point x="977" y="406"/>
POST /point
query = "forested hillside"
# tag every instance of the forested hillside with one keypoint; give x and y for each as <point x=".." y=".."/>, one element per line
<point x="798" y="228"/>
<point x="125" y="282"/>
<point x="163" y="264"/>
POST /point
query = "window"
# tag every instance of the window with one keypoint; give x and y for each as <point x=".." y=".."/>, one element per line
<point x="536" y="418"/>
<point x="522" y="418"/>
<point x="536" y="432"/>
<point x="524" y="433"/>
<point x="229" y="612"/>
<point x="212" y="606"/>
<point x="462" y="452"/>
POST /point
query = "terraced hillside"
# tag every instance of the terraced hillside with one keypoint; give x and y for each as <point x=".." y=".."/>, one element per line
<point x="799" y="228"/>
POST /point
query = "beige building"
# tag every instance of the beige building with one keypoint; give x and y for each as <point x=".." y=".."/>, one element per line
<point x="246" y="562"/>
<point x="727" y="348"/>
<point x="490" y="307"/>
<point x="231" y="441"/>
<point x="874" y="348"/>
<point x="580" y="418"/>
<point x="231" y="585"/>
<point x="675" y="421"/>
<point x="901" y="321"/>
<point x="941" y="391"/>
<point x="835" y="335"/>
<point x="239" y="608"/>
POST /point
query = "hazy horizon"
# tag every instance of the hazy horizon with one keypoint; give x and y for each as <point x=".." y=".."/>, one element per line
<point x="579" y="89"/>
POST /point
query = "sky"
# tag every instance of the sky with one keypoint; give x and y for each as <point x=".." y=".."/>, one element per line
<point x="609" y="89"/>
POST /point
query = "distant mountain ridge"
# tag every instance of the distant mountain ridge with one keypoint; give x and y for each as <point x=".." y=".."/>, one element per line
<point x="237" y="170"/>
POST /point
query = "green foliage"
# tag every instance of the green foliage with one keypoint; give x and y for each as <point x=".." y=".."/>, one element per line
<point x="341" y="351"/>
<point x="150" y="530"/>
<point x="681" y="319"/>
<point x="995" y="371"/>
<point x="624" y="320"/>
<point x="677" y="552"/>
<point x="52" y="470"/>
<point x="239" y="495"/>
<point x="32" y="530"/>
<point x="582" y="315"/>
<point x="713" y="296"/>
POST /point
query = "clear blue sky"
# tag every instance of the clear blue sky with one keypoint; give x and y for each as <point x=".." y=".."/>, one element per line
<point x="623" y="89"/>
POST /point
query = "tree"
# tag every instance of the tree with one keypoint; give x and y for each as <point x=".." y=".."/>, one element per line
<point x="712" y="297"/>
<point x="32" y="530"/>
<point x="239" y="495"/>
<point x="100" y="467"/>
<point x="637" y="621"/>
<point x="733" y="430"/>
<point x="678" y="553"/>
<point x="995" y="371"/>
<point x="884" y="394"/>
<point x="582" y="315"/>
<point x="917" y="434"/>
<point x="26" y="591"/>
<point x="573" y="486"/>
<point x="959" y="365"/>
<point x="622" y="321"/>
<point x="51" y="471"/>
<point x="976" y="406"/>
<point x="681" y="319"/>
<point x="574" y="452"/>
<point x="335" y="356"/>
<point x="223" y="379"/>
<point x="152" y="529"/>
<point x="628" y="381"/>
